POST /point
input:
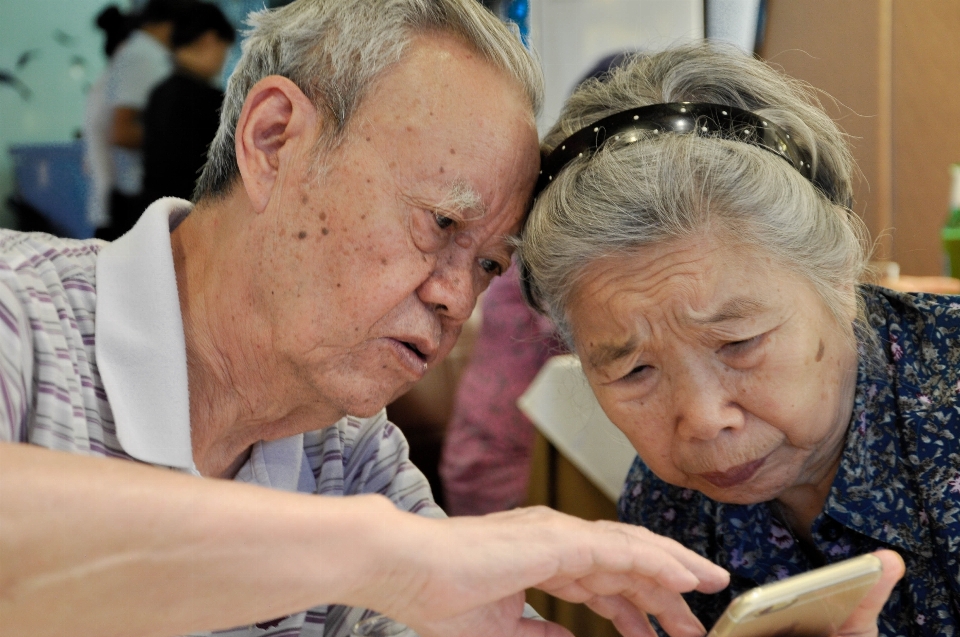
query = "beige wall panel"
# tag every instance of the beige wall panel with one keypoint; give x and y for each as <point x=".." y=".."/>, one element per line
<point x="840" y="47"/>
<point x="926" y="131"/>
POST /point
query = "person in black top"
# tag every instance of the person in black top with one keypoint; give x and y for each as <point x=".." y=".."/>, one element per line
<point x="183" y="113"/>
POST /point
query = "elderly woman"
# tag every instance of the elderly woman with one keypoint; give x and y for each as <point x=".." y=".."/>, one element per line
<point x="693" y="241"/>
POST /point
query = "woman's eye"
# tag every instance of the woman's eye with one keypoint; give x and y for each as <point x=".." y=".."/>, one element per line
<point x="443" y="222"/>
<point x="491" y="267"/>
<point x="745" y="345"/>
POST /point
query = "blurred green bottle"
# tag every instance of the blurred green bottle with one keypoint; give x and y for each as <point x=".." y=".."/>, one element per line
<point x="951" y="232"/>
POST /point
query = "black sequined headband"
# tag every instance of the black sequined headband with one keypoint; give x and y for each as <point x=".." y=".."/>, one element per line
<point x="715" y="120"/>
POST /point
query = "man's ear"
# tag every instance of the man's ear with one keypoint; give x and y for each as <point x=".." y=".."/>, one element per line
<point x="277" y="124"/>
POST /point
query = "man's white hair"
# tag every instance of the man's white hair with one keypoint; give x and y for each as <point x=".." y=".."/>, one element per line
<point x="333" y="50"/>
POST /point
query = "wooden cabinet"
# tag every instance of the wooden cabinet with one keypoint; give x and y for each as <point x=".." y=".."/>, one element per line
<point x="555" y="482"/>
<point x="892" y="68"/>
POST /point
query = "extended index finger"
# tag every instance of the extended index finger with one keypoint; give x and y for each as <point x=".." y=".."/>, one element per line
<point x="711" y="578"/>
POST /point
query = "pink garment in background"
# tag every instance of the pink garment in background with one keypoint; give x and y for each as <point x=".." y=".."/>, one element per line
<point x="485" y="465"/>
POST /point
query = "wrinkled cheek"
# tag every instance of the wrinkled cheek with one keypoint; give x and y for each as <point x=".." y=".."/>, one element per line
<point x="656" y="448"/>
<point x="448" y="339"/>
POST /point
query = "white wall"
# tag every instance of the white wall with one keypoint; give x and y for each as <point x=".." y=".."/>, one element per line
<point x="571" y="36"/>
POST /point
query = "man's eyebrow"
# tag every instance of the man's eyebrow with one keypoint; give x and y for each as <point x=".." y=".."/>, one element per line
<point x="608" y="353"/>
<point x="462" y="197"/>
<point x="732" y="310"/>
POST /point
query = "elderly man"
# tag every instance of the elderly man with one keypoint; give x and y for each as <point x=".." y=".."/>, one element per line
<point x="372" y="161"/>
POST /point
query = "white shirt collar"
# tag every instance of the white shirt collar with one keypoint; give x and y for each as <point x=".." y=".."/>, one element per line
<point x="140" y="347"/>
<point x="142" y="357"/>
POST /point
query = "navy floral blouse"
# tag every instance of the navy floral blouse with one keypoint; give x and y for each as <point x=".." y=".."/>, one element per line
<point x="898" y="485"/>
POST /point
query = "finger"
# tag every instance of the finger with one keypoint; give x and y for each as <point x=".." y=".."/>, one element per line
<point x="863" y="621"/>
<point x="646" y="593"/>
<point x="643" y="589"/>
<point x="644" y="596"/>
<point x="640" y="554"/>
<point x="712" y="577"/>
<point x="670" y="609"/>
<point x="569" y="590"/>
<point x="628" y="621"/>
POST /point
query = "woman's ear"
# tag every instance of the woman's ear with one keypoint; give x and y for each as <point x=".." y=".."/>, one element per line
<point x="277" y="125"/>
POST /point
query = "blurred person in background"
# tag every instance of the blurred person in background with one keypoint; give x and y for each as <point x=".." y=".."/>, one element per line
<point x="183" y="112"/>
<point x="97" y="115"/>
<point x="485" y="465"/>
<point x="139" y="64"/>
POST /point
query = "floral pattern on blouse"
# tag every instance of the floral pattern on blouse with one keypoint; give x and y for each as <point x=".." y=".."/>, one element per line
<point x="898" y="485"/>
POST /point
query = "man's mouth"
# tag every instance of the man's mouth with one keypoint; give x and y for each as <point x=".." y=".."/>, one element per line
<point x="416" y="350"/>
<point x="412" y="356"/>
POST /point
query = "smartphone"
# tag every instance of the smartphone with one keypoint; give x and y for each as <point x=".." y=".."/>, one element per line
<point x="812" y="604"/>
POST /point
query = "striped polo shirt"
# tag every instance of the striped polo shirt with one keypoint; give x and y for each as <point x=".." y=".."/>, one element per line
<point x="92" y="361"/>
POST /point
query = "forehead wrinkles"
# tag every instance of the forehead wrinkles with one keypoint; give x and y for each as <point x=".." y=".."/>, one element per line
<point x="643" y="293"/>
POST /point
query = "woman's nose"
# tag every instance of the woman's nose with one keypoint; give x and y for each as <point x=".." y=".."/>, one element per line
<point x="703" y="405"/>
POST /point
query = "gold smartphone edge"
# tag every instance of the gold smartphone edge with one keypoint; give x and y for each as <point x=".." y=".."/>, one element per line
<point x="850" y="570"/>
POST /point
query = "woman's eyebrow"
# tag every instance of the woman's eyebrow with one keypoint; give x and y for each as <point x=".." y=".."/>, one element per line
<point x="609" y="353"/>
<point x="734" y="309"/>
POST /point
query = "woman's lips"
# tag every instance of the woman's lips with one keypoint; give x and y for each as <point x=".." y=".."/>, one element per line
<point x="735" y="475"/>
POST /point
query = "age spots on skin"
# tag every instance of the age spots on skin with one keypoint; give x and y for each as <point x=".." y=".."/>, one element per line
<point x="325" y="231"/>
<point x="453" y="151"/>
<point x="383" y="261"/>
<point x="820" y="351"/>
<point x="302" y="234"/>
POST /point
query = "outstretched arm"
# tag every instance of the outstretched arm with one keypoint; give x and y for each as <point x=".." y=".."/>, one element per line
<point x="91" y="546"/>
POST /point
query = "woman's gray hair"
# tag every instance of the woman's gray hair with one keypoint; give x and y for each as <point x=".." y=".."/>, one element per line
<point x="673" y="186"/>
<point x="334" y="50"/>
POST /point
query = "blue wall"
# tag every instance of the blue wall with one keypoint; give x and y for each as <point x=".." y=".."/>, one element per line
<point x="66" y="56"/>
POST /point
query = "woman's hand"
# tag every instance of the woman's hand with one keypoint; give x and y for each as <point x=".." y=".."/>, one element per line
<point x="863" y="621"/>
<point x="467" y="576"/>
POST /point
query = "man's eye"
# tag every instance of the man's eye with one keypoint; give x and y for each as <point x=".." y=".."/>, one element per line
<point x="443" y="222"/>
<point x="636" y="372"/>
<point x="491" y="267"/>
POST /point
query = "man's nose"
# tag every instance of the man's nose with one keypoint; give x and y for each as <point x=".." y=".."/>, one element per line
<point x="703" y="404"/>
<point x="450" y="290"/>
